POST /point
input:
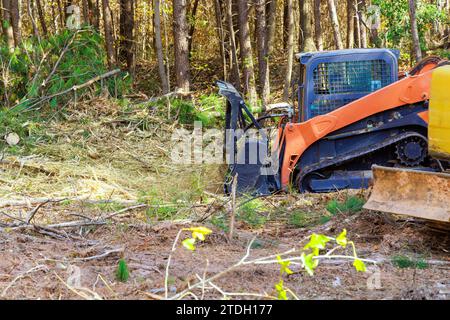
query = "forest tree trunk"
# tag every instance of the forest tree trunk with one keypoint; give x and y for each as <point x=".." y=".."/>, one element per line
<point x="306" y="25"/>
<point x="262" y="46"/>
<point x="126" y="50"/>
<point x="414" y="31"/>
<point x="335" y="24"/>
<point x="7" y="26"/>
<point x="159" y="46"/>
<point x="290" y="49"/>
<point x="109" y="40"/>
<point x="31" y="13"/>
<point x="318" y="26"/>
<point x="181" y="45"/>
<point x="350" y="24"/>
<point x="192" y="26"/>
<point x="361" y="17"/>
<point x="15" y="21"/>
<point x="41" y="17"/>
<point x="246" y="52"/>
<point x="235" y="75"/>
<point x="218" y="12"/>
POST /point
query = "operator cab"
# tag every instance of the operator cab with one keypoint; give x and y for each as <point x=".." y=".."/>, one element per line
<point x="331" y="79"/>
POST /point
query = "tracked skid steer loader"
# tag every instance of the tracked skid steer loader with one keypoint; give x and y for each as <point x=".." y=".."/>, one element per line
<point x="353" y="111"/>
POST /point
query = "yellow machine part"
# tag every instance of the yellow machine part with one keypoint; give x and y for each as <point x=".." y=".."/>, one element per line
<point x="439" y="114"/>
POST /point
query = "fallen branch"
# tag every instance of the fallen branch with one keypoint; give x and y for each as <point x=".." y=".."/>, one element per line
<point x="63" y="52"/>
<point x="85" y="293"/>
<point x="33" y="201"/>
<point x="233" y="207"/>
<point x="287" y="256"/>
<point x="20" y="276"/>
<point x="72" y="89"/>
<point x="33" y="212"/>
<point x="101" y="256"/>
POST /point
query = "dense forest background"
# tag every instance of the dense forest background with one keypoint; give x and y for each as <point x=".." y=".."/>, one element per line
<point x="96" y="96"/>
<point x="184" y="45"/>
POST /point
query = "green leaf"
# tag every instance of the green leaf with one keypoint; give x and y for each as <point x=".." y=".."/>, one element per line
<point x="342" y="238"/>
<point x="317" y="241"/>
<point x="198" y="235"/>
<point x="282" y="293"/>
<point x="359" y="265"/>
<point x="284" y="266"/>
<point x="199" y="232"/>
<point x="309" y="263"/>
<point x="189" y="244"/>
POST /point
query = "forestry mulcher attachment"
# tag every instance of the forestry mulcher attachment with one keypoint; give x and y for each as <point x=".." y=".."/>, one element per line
<point x="354" y="110"/>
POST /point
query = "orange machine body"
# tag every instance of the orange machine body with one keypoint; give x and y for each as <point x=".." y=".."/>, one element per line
<point x="298" y="137"/>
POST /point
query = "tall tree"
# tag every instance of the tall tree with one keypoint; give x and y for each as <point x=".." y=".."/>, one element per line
<point x="318" y="25"/>
<point x="41" y="17"/>
<point x="246" y="52"/>
<point x="271" y="14"/>
<point x="94" y="13"/>
<point x="361" y="4"/>
<point x="31" y="13"/>
<point x="109" y="40"/>
<point x="262" y="48"/>
<point x="285" y="24"/>
<point x="357" y="25"/>
<point x="350" y="24"/>
<point x="306" y="26"/>
<point x="235" y="75"/>
<point x="86" y="12"/>
<point x="61" y="14"/>
<point x="193" y="16"/>
<point x="16" y="21"/>
<point x="159" y="46"/>
<point x="181" y="45"/>
<point x="290" y="49"/>
<point x="335" y="24"/>
<point x="414" y="31"/>
<point x="447" y="27"/>
<point x="126" y="50"/>
<point x="7" y="26"/>
<point x="218" y="11"/>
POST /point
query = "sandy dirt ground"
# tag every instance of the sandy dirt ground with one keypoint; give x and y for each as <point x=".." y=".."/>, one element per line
<point x="78" y="263"/>
<point x="102" y="152"/>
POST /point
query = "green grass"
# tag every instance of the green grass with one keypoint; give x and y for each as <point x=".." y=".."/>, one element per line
<point x="404" y="262"/>
<point x="301" y="219"/>
<point x="28" y="126"/>
<point x="107" y="206"/>
<point x="251" y="213"/>
<point x="298" y="219"/>
<point x="350" y="205"/>
<point x="208" y="109"/>
<point x="221" y="222"/>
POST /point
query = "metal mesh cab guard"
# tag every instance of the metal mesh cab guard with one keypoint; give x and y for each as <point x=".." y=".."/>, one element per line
<point x="336" y="78"/>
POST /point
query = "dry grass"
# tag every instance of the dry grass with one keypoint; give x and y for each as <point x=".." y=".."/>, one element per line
<point x="102" y="151"/>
